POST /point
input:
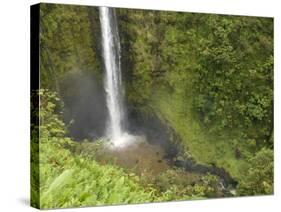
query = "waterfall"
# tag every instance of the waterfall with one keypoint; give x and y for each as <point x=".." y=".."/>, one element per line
<point x="112" y="79"/>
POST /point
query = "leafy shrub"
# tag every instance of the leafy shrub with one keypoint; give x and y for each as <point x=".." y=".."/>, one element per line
<point x="235" y="83"/>
<point x="258" y="174"/>
<point x="176" y="184"/>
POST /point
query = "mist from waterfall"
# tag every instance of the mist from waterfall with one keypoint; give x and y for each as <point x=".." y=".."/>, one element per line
<point x="112" y="79"/>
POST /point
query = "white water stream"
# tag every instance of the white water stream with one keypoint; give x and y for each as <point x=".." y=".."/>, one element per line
<point x="112" y="80"/>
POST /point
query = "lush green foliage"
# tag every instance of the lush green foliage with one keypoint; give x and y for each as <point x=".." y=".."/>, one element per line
<point x="67" y="45"/>
<point x="258" y="174"/>
<point x="209" y="76"/>
<point x="67" y="179"/>
<point x="235" y="78"/>
<point x="177" y="184"/>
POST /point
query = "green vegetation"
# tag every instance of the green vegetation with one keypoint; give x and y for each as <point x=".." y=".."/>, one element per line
<point x="69" y="179"/>
<point x="67" y="43"/>
<point x="258" y="174"/>
<point x="209" y="78"/>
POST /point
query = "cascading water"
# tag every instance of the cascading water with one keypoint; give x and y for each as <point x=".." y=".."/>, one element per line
<point x="113" y="82"/>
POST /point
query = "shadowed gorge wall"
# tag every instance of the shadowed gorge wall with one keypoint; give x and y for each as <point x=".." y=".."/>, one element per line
<point x="84" y="106"/>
